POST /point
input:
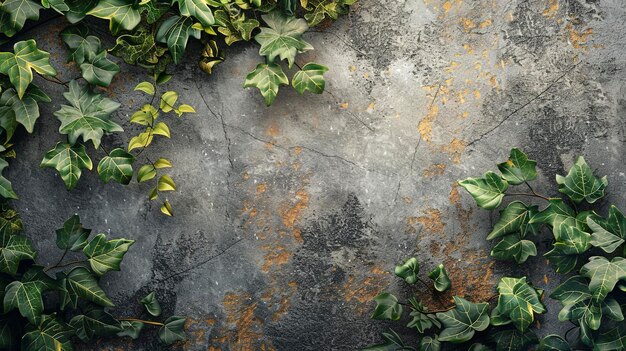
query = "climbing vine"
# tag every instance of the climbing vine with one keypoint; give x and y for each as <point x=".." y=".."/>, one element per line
<point x="593" y="246"/>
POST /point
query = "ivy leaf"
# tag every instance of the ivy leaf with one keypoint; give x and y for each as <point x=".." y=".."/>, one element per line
<point x="26" y="297"/>
<point x="155" y="10"/>
<point x="151" y="304"/>
<point x="68" y="160"/>
<point x="140" y="48"/>
<point x="571" y="291"/>
<point x="131" y="329"/>
<point x="166" y="208"/>
<point x="168" y="100"/>
<point x="311" y="78"/>
<point x="57" y="5"/>
<point x="610" y="235"/>
<point x="564" y="263"/>
<point x="479" y="347"/>
<point x="73" y="236"/>
<point x="463" y="321"/>
<point x="571" y="240"/>
<point x="117" y="165"/>
<point x="6" y="189"/>
<point x="20" y="63"/>
<point x="51" y="334"/>
<point x="518" y="169"/>
<point x="80" y="283"/>
<point x="9" y="334"/>
<point x="393" y="342"/>
<point x="317" y="10"/>
<point x="99" y="70"/>
<point x="81" y="44"/>
<point x="553" y="215"/>
<point x="387" y="307"/>
<point x="211" y="57"/>
<point x="173" y="330"/>
<point x="519" y="301"/>
<point x="16" y="249"/>
<point x="580" y="183"/>
<point x="429" y="343"/>
<point x="514" y="340"/>
<point x="511" y="247"/>
<point x="145" y="173"/>
<point x="235" y="27"/>
<point x="267" y="78"/>
<point x="88" y="116"/>
<point x="105" y="256"/>
<point x="512" y="219"/>
<point x="26" y="109"/>
<point x="604" y="275"/>
<point x="488" y="191"/>
<point x="408" y="270"/>
<point x="422" y="320"/>
<point x="147" y="88"/>
<point x="18" y="12"/>
<point x="95" y="322"/>
<point x="587" y="313"/>
<point x="282" y="38"/>
<point x="440" y="278"/>
<point x="197" y="9"/>
<point x="554" y="343"/>
<point x="175" y="32"/>
<point x="122" y="15"/>
<point x="612" y="339"/>
<point x="78" y="9"/>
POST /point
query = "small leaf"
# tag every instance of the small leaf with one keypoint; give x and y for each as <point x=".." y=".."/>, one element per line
<point x="408" y="270"/>
<point x="6" y="189"/>
<point x="168" y="100"/>
<point x="184" y="108"/>
<point x="311" y="78"/>
<point x="210" y="57"/>
<point x="267" y="78"/>
<point x="151" y="304"/>
<point x="422" y="320"/>
<point x="173" y="330"/>
<point x="161" y="129"/>
<point x="145" y="116"/>
<point x="68" y="160"/>
<point x="142" y="140"/>
<point x="166" y="183"/>
<point x="145" y="173"/>
<point x="488" y="191"/>
<point x="104" y="256"/>
<point x="387" y="307"/>
<point x="440" y="278"/>
<point x="429" y="343"/>
<point x="73" y="236"/>
<point x="518" y="169"/>
<point x="463" y="321"/>
<point x="154" y="193"/>
<point x="146" y="87"/>
<point x="25" y="58"/>
<point x="117" y="165"/>
<point x="512" y="248"/>
<point x="580" y="183"/>
<point x="162" y="163"/>
<point x="166" y="208"/>
<point x="131" y="329"/>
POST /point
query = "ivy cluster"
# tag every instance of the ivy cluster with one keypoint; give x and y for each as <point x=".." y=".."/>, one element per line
<point x="593" y="299"/>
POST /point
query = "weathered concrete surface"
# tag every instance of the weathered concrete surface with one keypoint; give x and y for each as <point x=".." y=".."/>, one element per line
<point x="289" y="218"/>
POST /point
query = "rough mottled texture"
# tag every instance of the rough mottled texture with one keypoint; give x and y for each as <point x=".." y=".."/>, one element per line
<point x="289" y="218"/>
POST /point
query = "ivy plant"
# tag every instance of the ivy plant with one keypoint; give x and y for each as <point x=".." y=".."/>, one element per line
<point x="586" y="245"/>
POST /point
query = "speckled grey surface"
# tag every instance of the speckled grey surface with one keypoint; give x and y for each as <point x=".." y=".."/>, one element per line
<point x="289" y="218"/>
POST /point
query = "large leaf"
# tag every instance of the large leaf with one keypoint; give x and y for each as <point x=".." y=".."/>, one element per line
<point x="26" y="109"/>
<point x="393" y="342"/>
<point x="487" y="191"/>
<point x="26" y="297"/>
<point x="15" y="14"/>
<point x="511" y="247"/>
<point x="88" y="116"/>
<point x="68" y="160"/>
<point x="408" y="270"/>
<point x="387" y="307"/>
<point x="16" y="249"/>
<point x="519" y="301"/>
<point x="175" y="32"/>
<point x="439" y="276"/>
<point x="172" y="330"/>
<point x="105" y="256"/>
<point x="51" y="334"/>
<point x="513" y="340"/>
<point x="554" y="343"/>
<point x="282" y="38"/>
<point x="513" y="218"/>
<point x="604" y="275"/>
<point x="463" y="321"/>
<point x="20" y="64"/>
<point x="611" y="339"/>
<point x="554" y="214"/>
<point x="608" y="235"/>
<point x="518" y="169"/>
<point x="6" y="189"/>
<point x="99" y="70"/>
<point x="267" y="78"/>
<point x="311" y="78"/>
<point x="586" y="312"/>
<point x="571" y="291"/>
<point x="580" y="183"/>
<point x="571" y="240"/>
<point x="140" y="48"/>
<point x="81" y="44"/>
<point x="117" y="165"/>
<point x="73" y="236"/>
<point x="95" y="322"/>
<point x="197" y="9"/>
<point x="80" y="283"/>
<point x="122" y="14"/>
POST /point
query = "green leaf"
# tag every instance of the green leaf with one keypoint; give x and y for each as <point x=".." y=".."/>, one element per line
<point x="463" y="321"/>
<point x="608" y="235"/>
<point x="18" y="11"/>
<point x="68" y="160"/>
<point x="166" y="208"/>
<point x="488" y="191"/>
<point x="81" y="44"/>
<point x="162" y="163"/>
<point x="393" y="342"/>
<point x="571" y="240"/>
<point x="122" y="15"/>
<point x="587" y="313"/>
<point x="518" y="169"/>
<point x="512" y="248"/>
<point x="512" y="219"/>
<point x="387" y="307"/>
<point x="408" y="270"/>
<point x="554" y="214"/>
<point x="612" y="339"/>
<point x="175" y="32"/>
<point x="166" y="183"/>
<point x="210" y="57"/>
<point x="95" y="322"/>
<point x="422" y="320"/>
<point x="9" y="333"/>
<point x="20" y="63"/>
<point x="161" y="129"/>
<point x="554" y="343"/>
<point x="58" y="5"/>
<point x="16" y="249"/>
<point x="519" y="301"/>
<point x="318" y="10"/>
<point x="151" y="304"/>
<point x="6" y="189"/>
<point x="73" y="236"/>
<point x="117" y="165"/>
<point x="88" y="116"/>
<point x="78" y="9"/>
<point x="267" y="78"/>
<point x="131" y="329"/>
<point x="514" y="340"/>
<point x="155" y="10"/>
<point x="440" y="278"/>
<point x="145" y="116"/>
<point x="146" y="87"/>
<point x="51" y="334"/>
<point x="26" y="297"/>
<point x="99" y="70"/>
<point x="105" y="256"/>
<point x="80" y="283"/>
<point x="573" y="290"/>
<point x="429" y="343"/>
<point x="311" y="78"/>
<point x="140" y="48"/>
<point x="282" y="38"/>
<point x="604" y="275"/>
<point x="26" y="110"/>
<point x="142" y="140"/>
<point x="197" y="9"/>
<point x="580" y="183"/>
<point x="173" y="330"/>
<point x="479" y="347"/>
<point x="564" y="263"/>
<point x="145" y="173"/>
<point x="168" y="100"/>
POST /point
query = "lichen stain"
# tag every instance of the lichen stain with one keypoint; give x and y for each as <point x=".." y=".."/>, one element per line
<point x="425" y="126"/>
<point x="454" y="196"/>
<point x="578" y="39"/>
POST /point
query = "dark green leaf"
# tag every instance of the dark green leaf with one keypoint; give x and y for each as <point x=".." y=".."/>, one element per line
<point x="311" y="78"/>
<point x="26" y="297"/>
<point x="512" y="218"/>
<point x="267" y="78"/>
<point x="51" y="334"/>
<point x="554" y="343"/>
<point x="18" y="11"/>
<point x="81" y="44"/>
<point x="175" y="32"/>
<point x="487" y="191"/>
<point x="68" y="160"/>
<point x="16" y="249"/>
<point x="422" y="320"/>
<point x="95" y="322"/>
<point x="80" y="283"/>
<point x="463" y="321"/>
<point x="151" y="304"/>
<point x="122" y="14"/>
<point x="99" y="70"/>
<point x="131" y="329"/>
<point x="429" y="344"/>
<point x="580" y="183"/>
<point x="173" y="330"/>
<point x="512" y="248"/>
<point x="78" y="9"/>
<point x="519" y="301"/>
<point x="393" y="342"/>
<point x="20" y="63"/>
<point x="514" y="340"/>
<point x="73" y="236"/>
<point x="197" y="9"/>
<point x="518" y="169"/>
<point x="6" y="189"/>
<point x="117" y="165"/>
<point x="408" y="270"/>
<point x="387" y="307"/>
<point x="105" y="256"/>
<point x="604" y="275"/>
<point x="440" y="278"/>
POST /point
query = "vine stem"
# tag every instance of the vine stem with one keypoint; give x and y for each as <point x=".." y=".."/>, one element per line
<point x="528" y="194"/>
<point x="432" y="290"/>
<point x="54" y="80"/>
<point x="69" y="263"/>
<point x="141" y="321"/>
<point x="58" y="262"/>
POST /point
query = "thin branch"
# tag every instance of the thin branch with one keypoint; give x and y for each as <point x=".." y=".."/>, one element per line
<point x="141" y="321"/>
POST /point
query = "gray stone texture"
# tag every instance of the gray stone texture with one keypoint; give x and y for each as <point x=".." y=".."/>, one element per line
<point x="290" y="218"/>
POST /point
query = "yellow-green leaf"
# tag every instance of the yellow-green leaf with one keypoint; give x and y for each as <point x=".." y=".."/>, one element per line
<point x="166" y="183"/>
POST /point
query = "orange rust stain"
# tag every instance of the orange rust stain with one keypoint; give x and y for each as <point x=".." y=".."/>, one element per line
<point x="468" y="24"/>
<point x="407" y="200"/>
<point x="425" y="126"/>
<point x="435" y="170"/>
<point x="344" y="105"/>
<point x="260" y="189"/>
<point x="276" y="256"/>
<point x="297" y="234"/>
<point x="552" y="9"/>
<point x="455" y="149"/>
<point x="431" y="221"/>
<point x="273" y="130"/>
<point x="291" y="214"/>
<point x="364" y="289"/>
<point x="240" y="310"/>
<point x="297" y="150"/>
<point x="454" y="196"/>
<point x="579" y="39"/>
